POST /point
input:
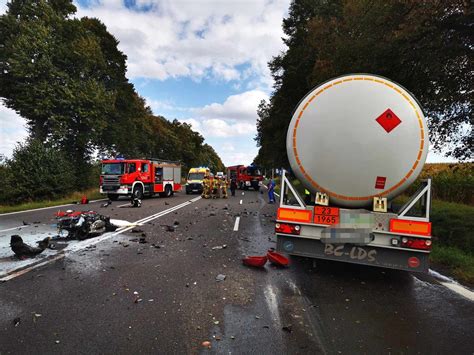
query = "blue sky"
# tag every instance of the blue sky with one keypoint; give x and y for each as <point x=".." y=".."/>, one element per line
<point x="203" y="62"/>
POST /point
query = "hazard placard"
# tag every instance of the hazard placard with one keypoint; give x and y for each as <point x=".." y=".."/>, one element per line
<point x="388" y="120"/>
<point x="326" y="215"/>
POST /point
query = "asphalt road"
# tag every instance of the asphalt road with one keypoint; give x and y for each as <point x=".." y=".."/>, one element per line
<point x="121" y="296"/>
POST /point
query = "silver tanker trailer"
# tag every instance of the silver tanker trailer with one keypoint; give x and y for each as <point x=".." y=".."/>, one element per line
<point x="356" y="142"/>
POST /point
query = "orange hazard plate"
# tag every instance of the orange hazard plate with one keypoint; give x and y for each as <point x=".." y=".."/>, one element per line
<point x="326" y="215"/>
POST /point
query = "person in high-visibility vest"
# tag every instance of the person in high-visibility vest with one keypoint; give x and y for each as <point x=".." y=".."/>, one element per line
<point x="216" y="193"/>
<point x="223" y="187"/>
<point x="205" y="187"/>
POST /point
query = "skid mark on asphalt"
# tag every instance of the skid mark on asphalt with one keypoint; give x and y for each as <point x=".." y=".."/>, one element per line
<point x="89" y="242"/>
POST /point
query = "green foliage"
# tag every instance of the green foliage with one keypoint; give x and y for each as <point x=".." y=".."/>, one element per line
<point x="453" y="225"/>
<point x="423" y="45"/>
<point x="67" y="78"/>
<point x="458" y="262"/>
<point x="54" y="73"/>
<point x="36" y="171"/>
<point x="450" y="182"/>
<point x="92" y="194"/>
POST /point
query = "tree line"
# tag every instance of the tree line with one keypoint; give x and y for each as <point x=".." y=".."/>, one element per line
<point x="426" y="46"/>
<point x="67" y="78"/>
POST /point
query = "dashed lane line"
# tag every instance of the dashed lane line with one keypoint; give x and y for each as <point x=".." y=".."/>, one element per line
<point x="236" y="225"/>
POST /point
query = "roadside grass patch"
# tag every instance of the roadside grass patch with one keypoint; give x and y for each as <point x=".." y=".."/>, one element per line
<point x="92" y="194"/>
<point x="457" y="262"/>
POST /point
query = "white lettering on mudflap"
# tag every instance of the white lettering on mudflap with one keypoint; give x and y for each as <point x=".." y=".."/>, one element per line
<point x="356" y="253"/>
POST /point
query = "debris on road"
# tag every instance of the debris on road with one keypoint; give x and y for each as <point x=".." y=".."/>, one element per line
<point x="206" y="344"/>
<point x="23" y="250"/>
<point x="83" y="225"/>
<point x="219" y="247"/>
<point x="255" y="261"/>
<point x="171" y="228"/>
<point x="277" y="258"/>
<point x="220" y="277"/>
<point x="136" y="202"/>
<point x="106" y="204"/>
<point x="17" y="321"/>
<point x="287" y="328"/>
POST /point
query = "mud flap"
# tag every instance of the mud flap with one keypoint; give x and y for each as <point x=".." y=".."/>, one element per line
<point x="366" y="255"/>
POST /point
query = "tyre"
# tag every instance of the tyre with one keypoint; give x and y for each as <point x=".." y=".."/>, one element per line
<point x="113" y="197"/>
<point x="168" y="192"/>
<point x="138" y="192"/>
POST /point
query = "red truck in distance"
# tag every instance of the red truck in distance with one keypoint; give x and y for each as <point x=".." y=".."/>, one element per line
<point x="246" y="176"/>
<point x="139" y="177"/>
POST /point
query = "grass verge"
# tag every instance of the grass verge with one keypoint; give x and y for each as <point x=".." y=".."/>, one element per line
<point x="454" y="262"/>
<point x="92" y="194"/>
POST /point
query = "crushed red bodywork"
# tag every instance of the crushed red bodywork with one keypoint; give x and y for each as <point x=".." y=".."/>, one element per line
<point x="255" y="261"/>
<point x="277" y="259"/>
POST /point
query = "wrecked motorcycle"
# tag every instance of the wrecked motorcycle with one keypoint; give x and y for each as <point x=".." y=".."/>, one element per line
<point x="82" y="225"/>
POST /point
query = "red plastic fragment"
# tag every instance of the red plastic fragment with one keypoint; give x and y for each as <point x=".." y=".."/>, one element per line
<point x="277" y="258"/>
<point x="255" y="261"/>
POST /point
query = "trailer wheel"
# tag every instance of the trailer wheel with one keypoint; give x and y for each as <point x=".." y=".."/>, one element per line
<point x="138" y="192"/>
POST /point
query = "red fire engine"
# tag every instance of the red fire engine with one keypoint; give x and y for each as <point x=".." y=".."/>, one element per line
<point x="140" y="177"/>
<point x="246" y="176"/>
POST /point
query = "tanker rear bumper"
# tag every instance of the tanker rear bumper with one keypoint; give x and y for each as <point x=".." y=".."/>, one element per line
<point x="391" y="258"/>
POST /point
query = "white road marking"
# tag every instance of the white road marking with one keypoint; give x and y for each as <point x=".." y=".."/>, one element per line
<point x="236" y="225"/>
<point x="10" y="229"/>
<point x="46" y="208"/>
<point x="84" y="244"/>
<point x="460" y="290"/>
<point x="452" y="285"/>
<point x="125" y="204"/>
<point x="28" y="269"/>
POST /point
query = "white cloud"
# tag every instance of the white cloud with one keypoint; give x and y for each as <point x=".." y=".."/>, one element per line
<point x="3" y="6"/>
<point x="238" y="107"/>
<point x="196" y="39"/>
<point x="12" y="130"/>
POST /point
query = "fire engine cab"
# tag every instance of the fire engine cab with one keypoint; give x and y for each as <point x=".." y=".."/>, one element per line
<point x="245" y="176"/>
<point x="139" y="177"/>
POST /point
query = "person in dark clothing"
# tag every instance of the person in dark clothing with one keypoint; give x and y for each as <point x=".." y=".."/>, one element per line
<point x="271" y="191"/>
<point x="233" y="186"/>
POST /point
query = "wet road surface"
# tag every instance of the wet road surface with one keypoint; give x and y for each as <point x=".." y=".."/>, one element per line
<point x="122" y="296"/>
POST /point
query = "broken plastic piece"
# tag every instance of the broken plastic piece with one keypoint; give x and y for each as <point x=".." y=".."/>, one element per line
<point x="255" y="261"/>
<point x="277" y="258"/>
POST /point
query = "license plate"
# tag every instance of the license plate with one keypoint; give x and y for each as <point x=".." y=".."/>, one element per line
<point x="326" y="215"/>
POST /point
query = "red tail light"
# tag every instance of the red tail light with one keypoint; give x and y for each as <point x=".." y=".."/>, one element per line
<point x="101" y="180"/>
<point x="287" y="228"/>
<point x="424" y="244"/>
